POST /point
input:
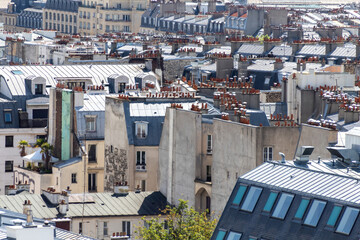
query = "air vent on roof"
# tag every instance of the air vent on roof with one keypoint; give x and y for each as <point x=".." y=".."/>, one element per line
<point x="303" y="153"/>
<point x="349" y="156"/>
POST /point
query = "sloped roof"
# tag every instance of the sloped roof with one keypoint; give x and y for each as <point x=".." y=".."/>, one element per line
<point x="105" y="204"/>
<point x="251" y="49"/>
<point x="15" y="75"/>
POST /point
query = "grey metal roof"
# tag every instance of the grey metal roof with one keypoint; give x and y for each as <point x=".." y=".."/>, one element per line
<point x="153" y="109"/>
<point x="348" y="51"/>
<point x="251" y="49"/>
<point x="281" y="51"/>
<point x="106" y="204"/>
<point x="332" y="184"/>
<point x="312" y="50"/>
<point x="66" y="163"/>
<point x="93" y="103"/>
<point x="97" y="73"/>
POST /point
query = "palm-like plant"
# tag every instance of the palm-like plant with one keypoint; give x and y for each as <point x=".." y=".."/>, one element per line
<point x="22" y="145"/>
<point x="46" y="150"/>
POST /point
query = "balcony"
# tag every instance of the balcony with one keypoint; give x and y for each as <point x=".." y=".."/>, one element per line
<point x="209" y="151"/>
<point x="141" y="167"/>
<point x="33" y="123"/>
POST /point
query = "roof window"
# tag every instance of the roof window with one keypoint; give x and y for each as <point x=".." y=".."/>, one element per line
<point x="270" y="202"/>
<point x="239" y="195"/>
<point x="315" y="212"/>
<point x="334" y="216"/>
<point x="302" y="208"/>
<point x="347" y="221"/>
<point x="283" y="205"/>
<point x="220" y="235"/>
<point x="234" y="236"/>
<point x="251" y="199"/>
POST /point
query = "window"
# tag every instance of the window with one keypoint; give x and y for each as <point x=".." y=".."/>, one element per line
<point x="126" y="227"/>
<point x="126" y="29"/>
<point x="220" y="235"/>
<point x="233" y="236"/>
<point x="143" y="185"/>
<point x="38" y="89"/>
<point x="105" y="229"/>
<point x="347" y="221"/>
<point x="302" y="208"/>
<point x="140" y="160"/>
<point x="334" y="216"/>
<point x="208" y="173"/>
<point x="74" y="21"/>
<point x="92" y="182"/>
<point x="270" y="202"/>
<point x="239" y="195"/>
<point x="251" y="199"/>
<point x="315" y="212"/>
<point x="73" y="178"/>
<point x="9" y="166"/>
<point x="141" y="129"/>
<point x="90" y="123"/>
<point x="283" y="205"/>
<point x="80" y="227"/>
<point x="92" y="153"/>
<point x="70" y="18"/>
<point x="268" y="154"/>
<point x="7" y="116"/>
<point x="209" y="144"/>
<point x="9" y="141"/>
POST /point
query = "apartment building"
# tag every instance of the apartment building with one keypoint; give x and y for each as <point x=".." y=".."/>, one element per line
<point x="61" y="16"/>
<point x="99" y="17"/>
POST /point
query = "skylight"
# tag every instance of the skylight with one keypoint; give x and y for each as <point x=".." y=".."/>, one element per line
<point x="17" y="72"/>
<point x="234" y="236"/>
<point x="270" y="202"/>
<point x="220" y="235"/>
<point x="315" y="212"/>
<point x="334" y="215"/>
<point x="302" y="208"/>
<point x="251" y="199"/>
<point x="283" y="205"/>
<point x="347" y="221"/>
<point x="239" y="195"/>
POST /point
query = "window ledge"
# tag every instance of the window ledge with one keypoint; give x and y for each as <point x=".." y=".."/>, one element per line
<point x="141" y="170"/>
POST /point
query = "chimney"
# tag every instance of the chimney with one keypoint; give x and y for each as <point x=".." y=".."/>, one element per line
<point x="26" y="206"/>
<point x="62" y="208"/>
<point x="278" y="64"/>
<point x="119" y="236"/>
<point x="29" y="219"/>
<point x="298" y="65"/>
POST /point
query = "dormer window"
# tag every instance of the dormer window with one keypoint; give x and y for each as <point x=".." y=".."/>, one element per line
<point x="141" y="129"/>
<point x="38" y="89"/>
<point x="90" y="121"/>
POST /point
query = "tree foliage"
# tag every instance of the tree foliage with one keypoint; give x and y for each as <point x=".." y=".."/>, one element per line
<point x="179" y="222"/>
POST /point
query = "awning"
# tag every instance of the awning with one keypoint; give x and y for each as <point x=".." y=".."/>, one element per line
<point x="36" y="157"/>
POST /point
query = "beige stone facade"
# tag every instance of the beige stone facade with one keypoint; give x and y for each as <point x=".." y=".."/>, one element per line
<point x="110" y="17"/>
<point x="62" y="21"/>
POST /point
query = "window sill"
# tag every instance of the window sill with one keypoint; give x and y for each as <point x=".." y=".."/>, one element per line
<point x="141" y="170"/>
<point x="92" y="162"/>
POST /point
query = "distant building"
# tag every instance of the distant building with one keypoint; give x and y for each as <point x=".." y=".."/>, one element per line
<point x="61" y="16"/>
<point x="112" y="16"/>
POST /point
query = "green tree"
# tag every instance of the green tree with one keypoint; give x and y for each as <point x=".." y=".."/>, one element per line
<point x="179" y="223"/>
<point x="22" y="145"/>
<point x="46" y="150"/>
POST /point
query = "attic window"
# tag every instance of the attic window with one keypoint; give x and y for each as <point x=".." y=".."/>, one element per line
<point x="17" y="72"/>
<point x="141" y="129"/>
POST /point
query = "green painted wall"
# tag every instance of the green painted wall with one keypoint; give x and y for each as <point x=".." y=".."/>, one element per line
<point x="66" y="125"/>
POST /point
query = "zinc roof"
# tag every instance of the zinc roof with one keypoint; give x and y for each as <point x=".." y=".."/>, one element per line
<point x="254" y="49"/>
<point x="97" y="73"/>
<point x="94" y="103"/>
<point x="313" y="50"/>
<point x="348" y="51"/>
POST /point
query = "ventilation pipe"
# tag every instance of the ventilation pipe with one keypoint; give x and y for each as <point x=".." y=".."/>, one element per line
<point x="282" y="155"/>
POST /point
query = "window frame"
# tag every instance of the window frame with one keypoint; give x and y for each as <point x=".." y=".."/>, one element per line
<point x="342" y="216"/>
<point x="89" y="119"/>
<point x="318" y="216"/>
<point x="278" y="202"/>
<point x="105" y="229"/>
<point x="143" y="126"/>
<point x="306" y="208"/>
<point x="253" y="201"/>
<point x="209" y="144"/>
<point x="12" y="165"/>
<point x="338" y="216"/>
<point x="232" y="232"/>
<point x="245" y="187"/>
<point x="8" y="113"/>
<point x="273" y="203"/>
<point x="219" y="237"/>
<point x="6" y="141"/>
<point x="95" y="156"/>
<point x="266" y="150"/>
<point x="73" y="178"/>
